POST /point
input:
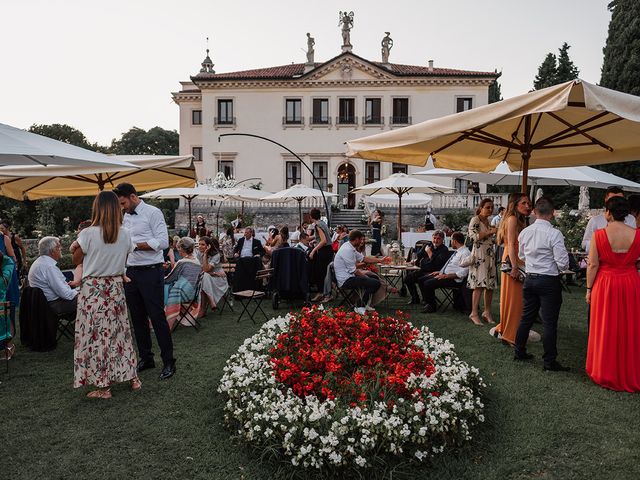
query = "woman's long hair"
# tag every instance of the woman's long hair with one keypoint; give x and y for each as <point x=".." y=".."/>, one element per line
<point x="231" y="236"/>
<point x="211" y="242"/>
<point x="482" y="204"/>
<point x="511" y="211"/>
<point x="107" y="214"/>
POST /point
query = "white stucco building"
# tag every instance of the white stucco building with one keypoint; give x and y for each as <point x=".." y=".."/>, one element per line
<point x="313" y="108"/>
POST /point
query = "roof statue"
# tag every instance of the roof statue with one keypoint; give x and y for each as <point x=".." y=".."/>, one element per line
<point x="310" y="51"/>
<point x="346" y="21"/>
<point x="387" y="44"/>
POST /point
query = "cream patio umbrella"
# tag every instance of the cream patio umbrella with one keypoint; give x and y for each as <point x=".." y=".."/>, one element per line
<point x="145" y="172"/>
<point x="241" y="194"/>
<point x="297" y="193"/>
<point x="571" y="124"/>
<point x="401" y="184"/>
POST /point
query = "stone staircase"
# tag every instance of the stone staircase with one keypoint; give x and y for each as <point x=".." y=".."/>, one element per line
<point x="351" y="218"/>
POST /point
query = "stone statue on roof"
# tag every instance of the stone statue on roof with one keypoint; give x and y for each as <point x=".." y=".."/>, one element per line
<point x="310" y="51"/>
<point x="387" y="44"/>
<point x="346" y="20"/>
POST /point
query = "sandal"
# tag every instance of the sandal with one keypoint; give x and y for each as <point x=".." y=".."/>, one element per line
<point x="476" y="320"/>
<point x="487" y="317"/>
<point x="104" y="393"/>
<point x="136" y="384"/>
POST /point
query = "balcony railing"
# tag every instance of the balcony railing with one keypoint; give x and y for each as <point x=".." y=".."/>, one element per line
<point x="400" y="120"/>
<point x="321" y="120"/>
<point x="224" y="121"/>
<point x="292" y="121"/>
<point x="348" y="120"/>
<point x="372" y="121"/>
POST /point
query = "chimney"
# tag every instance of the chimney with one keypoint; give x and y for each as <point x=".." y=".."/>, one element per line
<point x="431" y="65"/>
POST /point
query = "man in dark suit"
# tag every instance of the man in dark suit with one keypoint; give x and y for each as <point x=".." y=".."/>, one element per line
<point x="431" y="258"/>
<point x="248" y="246"/>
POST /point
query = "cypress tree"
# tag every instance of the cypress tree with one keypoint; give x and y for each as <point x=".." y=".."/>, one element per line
<point x="494" y="92"/>
<point x="546" y="73"/>
<point x="566" y="69"/>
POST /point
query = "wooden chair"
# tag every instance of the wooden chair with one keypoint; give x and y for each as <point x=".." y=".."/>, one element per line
<point x="255" y="296"/>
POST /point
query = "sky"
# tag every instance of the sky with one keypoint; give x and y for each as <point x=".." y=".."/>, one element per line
<point x="106" y="66"/>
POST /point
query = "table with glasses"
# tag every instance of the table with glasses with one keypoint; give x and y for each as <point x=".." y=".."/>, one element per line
<point x="393" y="275"/>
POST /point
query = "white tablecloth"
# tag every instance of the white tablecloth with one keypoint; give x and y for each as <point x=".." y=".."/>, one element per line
<point x="409" y="239"/>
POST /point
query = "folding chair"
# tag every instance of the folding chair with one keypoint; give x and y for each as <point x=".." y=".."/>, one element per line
<point x="227" y="298"/>
<point x="345" y="293"/>
<point x="255" y="296"/>
<point x="66" y="326"/>
<point x="450" y="293"/>
<point x="186" y="313"/>
<point x="5" y="319"/>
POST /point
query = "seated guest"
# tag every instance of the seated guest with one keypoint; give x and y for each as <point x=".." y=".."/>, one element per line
<point x="430" y="258"/>
<point x="634" y="207"/>
<point x="279" y="241"/>
<point x="349" y="276"/>
<point x="214" y="281"/>
<point x="451" y="273"/>
<point x="248" y="246"/>
<point x="180" y="284"/>
<point x="45" y="275"/>
<point x="295" y="235"/>
<point x="303" y="242"/>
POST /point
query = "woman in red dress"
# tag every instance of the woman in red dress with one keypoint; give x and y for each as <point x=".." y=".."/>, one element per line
<point x="613" y="283"/>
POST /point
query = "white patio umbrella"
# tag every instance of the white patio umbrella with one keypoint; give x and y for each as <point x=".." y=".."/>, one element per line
<point x="145" y="172"/>
<point x="571" y="124"/>
<point x="410" y="199"/>
<point x="297" y="193"/>
<point x="19" y="147"/>
<point x="401" y="184"/>
<point x="240" y="194"/>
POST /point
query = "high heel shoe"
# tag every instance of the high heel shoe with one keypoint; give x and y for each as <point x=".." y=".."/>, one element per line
<point x="475" y="319"/>
<point x="487" y="317"/>
<point x="136" y="384"/>
<point x="103" y="393"/>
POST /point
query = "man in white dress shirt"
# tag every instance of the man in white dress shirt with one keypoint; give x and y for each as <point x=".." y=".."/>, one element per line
<point x="45" y="275"/>
<point x="599" y="221"/>
<point x="145" y="291"/>
<point x="542" y="248"/>
<point x="451" y="274"/>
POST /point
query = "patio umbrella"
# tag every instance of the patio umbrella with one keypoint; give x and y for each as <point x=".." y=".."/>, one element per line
<point x="19" y="147"/>
<point x="145" y="172"/>
<point x="401" y="184"/>
<point x="297" y="193"/>
<point x="241" y="194"/>
<point x="188" y="194"/>
<point x="412" y="199"/>
<point x="571" y="124"/>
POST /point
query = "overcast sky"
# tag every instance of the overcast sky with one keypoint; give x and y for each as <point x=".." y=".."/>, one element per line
<point x="105" y="66"/>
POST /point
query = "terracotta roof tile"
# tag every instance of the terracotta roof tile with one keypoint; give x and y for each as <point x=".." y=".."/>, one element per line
<point x="419" y="70"/>
<point x="283" y="71"/>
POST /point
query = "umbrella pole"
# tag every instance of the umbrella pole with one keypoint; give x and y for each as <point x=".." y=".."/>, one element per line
<point x="525" y="171"/>
<point x="300" y="212"/>
<point x="400" y="218"/>
<point x="189" y="208"/>
<point x="526" y="152"/>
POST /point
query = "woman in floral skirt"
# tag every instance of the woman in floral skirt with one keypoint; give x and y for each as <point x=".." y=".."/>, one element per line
<point x="103" y="351"/>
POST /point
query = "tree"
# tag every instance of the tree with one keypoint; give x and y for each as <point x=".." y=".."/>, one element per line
<point x="494" y="92"/>
<point x="621" y="66"/>
<point x="566" y="70"/>
<point x="67" y="134"/>
<point x="547" y="72"/>
<point x="137" y="141"/>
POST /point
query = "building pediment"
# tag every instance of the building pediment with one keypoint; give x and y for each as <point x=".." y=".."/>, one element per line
<point x="347" y="67"/>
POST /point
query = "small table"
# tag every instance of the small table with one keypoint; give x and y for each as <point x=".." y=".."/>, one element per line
<point x="394" y="274"/>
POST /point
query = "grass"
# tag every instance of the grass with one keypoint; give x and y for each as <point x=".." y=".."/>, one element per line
<point x="540" y="425"/>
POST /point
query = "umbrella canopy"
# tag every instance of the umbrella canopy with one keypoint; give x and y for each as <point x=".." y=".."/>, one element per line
<point x="297" y="193"/>
<point x="19" y="147"/>
<point x="412" y="199"/>
<point x="571" y="124"/>
<point x="145" y="172"/>
<point x="244" y="194"/>
<point x="401" y="184"/>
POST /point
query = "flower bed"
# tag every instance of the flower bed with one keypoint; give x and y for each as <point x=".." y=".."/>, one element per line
<point x="336" y="390"/>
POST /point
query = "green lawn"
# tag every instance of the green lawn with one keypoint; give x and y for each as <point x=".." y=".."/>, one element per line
<point x="539" y="424"/>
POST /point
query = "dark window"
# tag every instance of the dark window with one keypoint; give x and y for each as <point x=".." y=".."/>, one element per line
<point x="293" y="111"/>
<point x="399" y="168"/>
<point x="293" y="174"/>
<point x="197" y="153"/>
<point x="225" y="112"/>
<point x="373" y="110"/>
<point x="347" y="110"/>
<point x="461" y="186"/>
<point x="196" y="117"/>
<point x="371" y="172"/>
<point x="400" y="113"/>
<point x="463" y="104"/>
<point x="320" y="171"/>
<point x="320" y="111"/>
<point x="226" y="167"/>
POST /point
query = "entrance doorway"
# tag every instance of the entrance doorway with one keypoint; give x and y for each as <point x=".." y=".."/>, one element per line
<point x="346" y="183"/>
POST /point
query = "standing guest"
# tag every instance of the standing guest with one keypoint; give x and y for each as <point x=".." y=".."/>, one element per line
<point x="145" y="291"/>
<point x="634" y="207"/>
<point x="214" y="281"/>
<point x="429" y="221"/>
<point x="482" y="272"/>
<point x="451" y="274"/>
<point x="201" y="226"/>
<point x="248" y="246"/>
<point x="7" y="266"/>
<point x="349" y="276"/>
<point x="13" y="291"/>
<point x="541" y="247"/>
<point x="613" y="354"/>
<point x="321" y="255"/>
<point x="495" y="221"/>
<point x="430" y="258"/>
<point x="18" y="247"/>
<point x="513" y="222"/>
<point x="600" y="221"/>
<point x="45" y="275"/>
<point x="227" y="244"/>
<point x="103" y="351"/>
<point x="375" y="222"/>
<point x="181" y="283"/>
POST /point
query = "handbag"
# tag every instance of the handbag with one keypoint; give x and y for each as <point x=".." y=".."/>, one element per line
<point x="505" y="267"/>
<point x="470" y="260"/>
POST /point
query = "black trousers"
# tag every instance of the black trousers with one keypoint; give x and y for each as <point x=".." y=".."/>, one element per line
<point x="411" y="280"/>
<point x="429" y="285"/>
<point x="369" y="284"/>
<point x="541" y="293"/>
<point x="145" y="299"/>
<point x="61" y="306"/>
